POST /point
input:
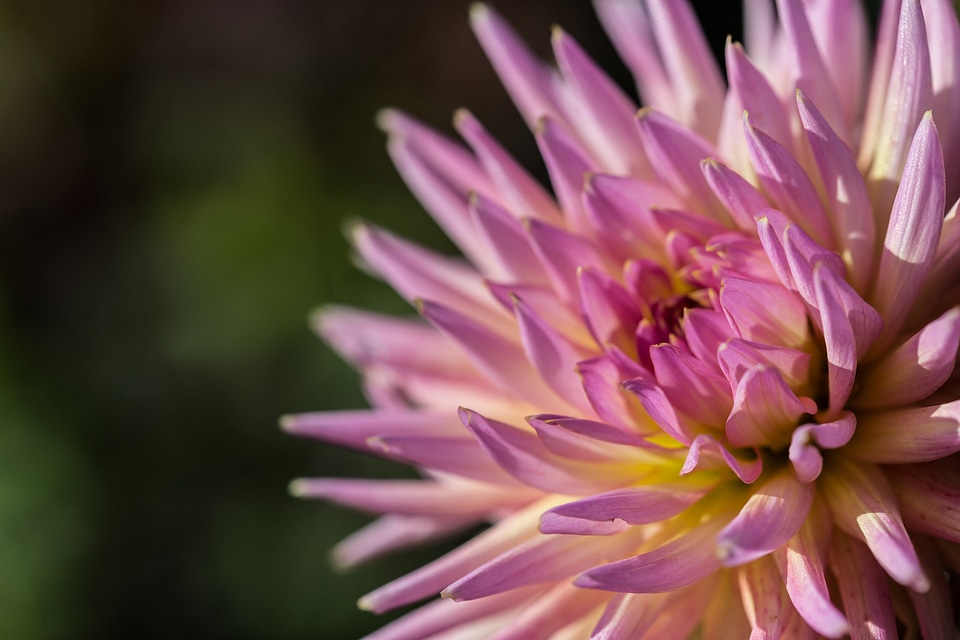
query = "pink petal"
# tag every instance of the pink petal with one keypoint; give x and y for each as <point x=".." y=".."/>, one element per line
<point x="660" y="409"/>
<point x="934" y="608"/>
<point x="724" y="616"/>
<point x="631" y="505"/>
<point x="413" y="497"/>
<point x="840" y="340"/>
<point x="756" y="96"/>
<point x="840" y="30"/>
<point x="765" y="410"/>
<point x="431" y="578"/>
<point x="587" y="433"/>
<point x="909" y="94"/>
<point x="863" y="505"/>
<point x="365" y="338"/>
<point x="706" y="452"/>
<point x="562" y="254"/>
<point x="553" y="356"/>
<point x="801" y="566"/>
<point x="533" y="86"/>
<point x="609" y="310"/>
<point x="929" y="497"/>
<point x="804" y="456"/>
<point x="916" y="368"/>
<point x="809" y="70"/>
<point x="508" y="251"/>
<point x="914" y="230"/>
<point x="677" y="564"/>
<point x="568" y="163"/>
<point x="441" y="615"/>
<point x="738" y="196"/>
<point x="391" y="533"/>
<point x="678" y="152"/>
<point x="943" y="37"/>
<point x="738" y="356"/>
<point x="497" y="357"/>
<point x="462" y="457"/>
<point x="418" y="273"/>
<point x="786" y="183"/>
<point x="551" y="612"/>
<point x="619" y="208"/>
<point x="601" y="384"/>
<point x="606" y="114"/>
<point x="706" y="331"/>
<point x="761" y="590"/>
<point x="903" y="436"/>
<point x="764" y="313"/>
<point x="541" y="559"/>
<point x="690" y="385"/>
<point x="661" y="615"/>
<point x="863" y="589"/>
<point x="689" y="63"/>
<point x="520" y="192"/>
<point x="525" y="457"/>
<point x="354" y="428"/>
<point x="853" y="223"/>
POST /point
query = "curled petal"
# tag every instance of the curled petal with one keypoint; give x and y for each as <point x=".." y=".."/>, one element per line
<point x="632" y="505"/>
<point x="764" y="409"/>
<point x="765" y="313"/>
<point x="354" y="428"/>
<point x="708" y="453"/>
<point x="391" y="533"/>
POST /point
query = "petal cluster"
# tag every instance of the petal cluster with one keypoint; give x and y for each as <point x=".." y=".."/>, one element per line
<point x="703" y="386"/>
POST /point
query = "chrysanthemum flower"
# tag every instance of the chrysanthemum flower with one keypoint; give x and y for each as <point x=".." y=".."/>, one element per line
<point x="707" y="384"/>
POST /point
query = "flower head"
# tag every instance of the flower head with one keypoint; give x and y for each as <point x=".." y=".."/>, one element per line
<point x="706" y="385"/>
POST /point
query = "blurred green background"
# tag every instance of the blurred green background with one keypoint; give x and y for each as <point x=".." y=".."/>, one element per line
<point x="173" y="180"/>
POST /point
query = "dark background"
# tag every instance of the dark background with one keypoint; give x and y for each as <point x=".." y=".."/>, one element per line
<point x="173" y="180"/>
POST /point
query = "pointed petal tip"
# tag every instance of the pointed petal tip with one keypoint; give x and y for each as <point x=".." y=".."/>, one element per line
<point x="298" y="488"/>
<point x="479" y="11"/>
<point x="287" y="423"/>
<point x="386" y="119"/>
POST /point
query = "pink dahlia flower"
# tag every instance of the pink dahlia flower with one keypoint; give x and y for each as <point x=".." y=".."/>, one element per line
<point x="707" y="382"/>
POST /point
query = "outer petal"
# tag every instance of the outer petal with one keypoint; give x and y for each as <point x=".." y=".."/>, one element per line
<point x="431" y="578"/>
<point x="540" y="559"/>
<point x="765" y="410"/>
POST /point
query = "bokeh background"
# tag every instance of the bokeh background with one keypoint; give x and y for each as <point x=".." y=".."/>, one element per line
<point x="174" y="177"/>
